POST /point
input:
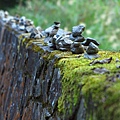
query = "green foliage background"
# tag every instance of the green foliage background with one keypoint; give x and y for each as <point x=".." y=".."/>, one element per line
<point x="101" y="17"/>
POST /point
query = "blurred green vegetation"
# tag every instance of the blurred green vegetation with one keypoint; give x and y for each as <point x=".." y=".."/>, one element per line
<point x="101" y="17"/>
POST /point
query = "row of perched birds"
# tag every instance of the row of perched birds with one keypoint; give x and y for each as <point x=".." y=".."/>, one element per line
<point x="54" y="36"/>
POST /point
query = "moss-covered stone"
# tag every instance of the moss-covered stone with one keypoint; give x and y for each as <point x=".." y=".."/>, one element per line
<point x="77" y="72"/>
<point x="78" y="78"/>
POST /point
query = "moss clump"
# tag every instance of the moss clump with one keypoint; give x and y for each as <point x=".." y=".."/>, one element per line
<point x="77" y="72"/>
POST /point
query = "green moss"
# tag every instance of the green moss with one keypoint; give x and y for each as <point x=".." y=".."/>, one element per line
<point x="77" y="72"/>
<point x="32" y="43"/>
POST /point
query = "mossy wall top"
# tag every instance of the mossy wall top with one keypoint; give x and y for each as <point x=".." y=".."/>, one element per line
<point x="37" y="82"/>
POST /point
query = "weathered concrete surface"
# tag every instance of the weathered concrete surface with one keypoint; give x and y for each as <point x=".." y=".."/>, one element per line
<point x="37" y="83"/>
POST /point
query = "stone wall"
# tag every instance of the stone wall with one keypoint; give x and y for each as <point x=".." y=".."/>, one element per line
<point x="38" y="83"/>
<point x="29" y="84"/>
